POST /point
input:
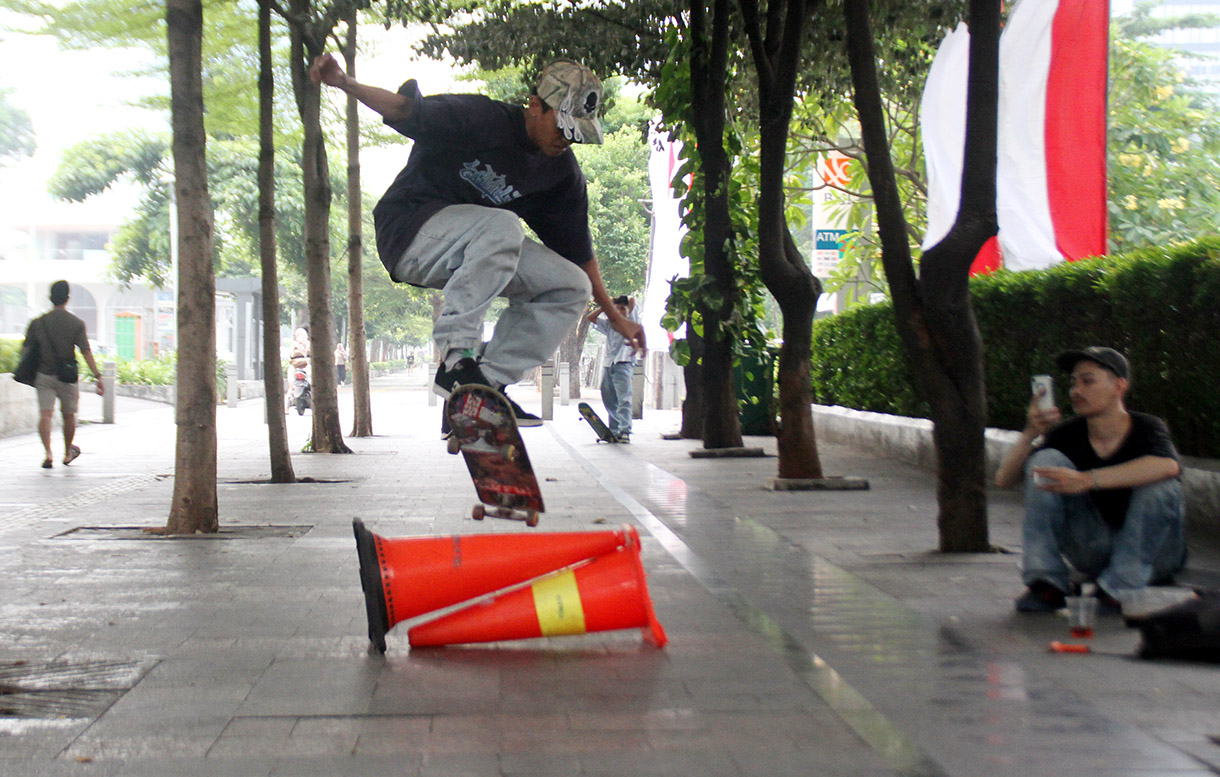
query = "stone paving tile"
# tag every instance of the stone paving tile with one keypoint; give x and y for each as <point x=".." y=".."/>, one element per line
<point x="264" y="668"/>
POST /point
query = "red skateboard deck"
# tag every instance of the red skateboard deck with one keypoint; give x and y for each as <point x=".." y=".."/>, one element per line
<point x="485" y="430"/>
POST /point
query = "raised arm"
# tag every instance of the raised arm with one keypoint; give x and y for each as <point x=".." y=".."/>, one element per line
<point x="1037" y="422"/>
<point x="391" y="105"/>
<point x="632" y="331"/>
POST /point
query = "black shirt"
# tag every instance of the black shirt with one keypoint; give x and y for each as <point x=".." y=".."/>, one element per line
<point x="1148" y="437"/>
<point x="62" y="333"/>
<point x="470" y="149"/>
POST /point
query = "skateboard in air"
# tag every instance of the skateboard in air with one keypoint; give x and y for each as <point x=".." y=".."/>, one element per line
<point x="484" y="429"/>
<point x="590" y="415"/>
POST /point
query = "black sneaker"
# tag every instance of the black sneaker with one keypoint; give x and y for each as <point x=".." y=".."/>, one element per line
<point x="1040" y="597"/>
<point x="523" y="418"/>
<point x="465" y="371"/>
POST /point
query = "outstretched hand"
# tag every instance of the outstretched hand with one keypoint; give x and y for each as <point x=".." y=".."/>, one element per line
<point x="326" y="70"/>
<point x="632" y="331"/>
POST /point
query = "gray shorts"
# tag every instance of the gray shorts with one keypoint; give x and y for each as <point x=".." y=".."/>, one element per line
<point x="49" y="387"/>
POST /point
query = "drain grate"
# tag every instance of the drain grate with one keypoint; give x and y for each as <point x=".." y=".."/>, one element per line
<point x="245" y="532"/>
<point x="62" y="689"/>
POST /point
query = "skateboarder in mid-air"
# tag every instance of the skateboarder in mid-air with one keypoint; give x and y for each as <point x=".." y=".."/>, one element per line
<point x="452" y="218"/>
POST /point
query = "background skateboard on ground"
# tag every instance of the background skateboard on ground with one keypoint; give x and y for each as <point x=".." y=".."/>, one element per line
<point x="590" y="415"/>
<point x="484" y="429"/>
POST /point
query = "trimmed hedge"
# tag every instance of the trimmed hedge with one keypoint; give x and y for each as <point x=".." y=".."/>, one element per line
<point x="1160" y="306"/>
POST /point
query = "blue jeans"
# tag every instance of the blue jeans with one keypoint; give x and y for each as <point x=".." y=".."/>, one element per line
<point x="1063" y="529"/>
<point x="616" y="395"/>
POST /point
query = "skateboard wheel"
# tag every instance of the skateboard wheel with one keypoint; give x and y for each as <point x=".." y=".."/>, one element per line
<point x="477" y="512"/>
<point x="453" y="444"/>
<point x="531" y="518"/>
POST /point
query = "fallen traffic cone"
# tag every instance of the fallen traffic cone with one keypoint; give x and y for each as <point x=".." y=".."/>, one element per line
<point x="407" y="577"/>
<point x="606" y="593"/>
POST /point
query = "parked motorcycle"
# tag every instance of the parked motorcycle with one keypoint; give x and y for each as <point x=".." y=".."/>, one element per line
<point x="301" y="393"/>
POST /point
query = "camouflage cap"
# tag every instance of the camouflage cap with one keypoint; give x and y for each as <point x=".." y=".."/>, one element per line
<point x="575" y="94"/>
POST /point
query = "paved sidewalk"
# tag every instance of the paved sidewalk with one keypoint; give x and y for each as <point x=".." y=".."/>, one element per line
<point x="810" y="634"/>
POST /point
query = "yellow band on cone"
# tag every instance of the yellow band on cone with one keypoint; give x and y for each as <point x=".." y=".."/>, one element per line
<point x="557" y="602"/>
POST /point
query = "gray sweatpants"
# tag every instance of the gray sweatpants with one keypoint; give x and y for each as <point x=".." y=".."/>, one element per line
<point x="475" y="254"/>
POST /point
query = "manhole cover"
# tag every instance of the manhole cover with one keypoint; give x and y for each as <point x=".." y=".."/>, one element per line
<point x="63" y="689"/>
<point x="252" y="532"/>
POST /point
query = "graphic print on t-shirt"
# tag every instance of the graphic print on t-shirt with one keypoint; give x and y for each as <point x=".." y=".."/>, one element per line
<point x="489" y="184"/>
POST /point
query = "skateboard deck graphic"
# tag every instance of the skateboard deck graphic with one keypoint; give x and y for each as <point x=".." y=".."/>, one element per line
<point x="485" y="431"/>
<point x="590" y="415"/>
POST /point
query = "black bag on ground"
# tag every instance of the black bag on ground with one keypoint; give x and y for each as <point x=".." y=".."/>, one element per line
<point x="27" y="367"/>
<point x="1190" y="630"/>
<point x="65" y="370"/>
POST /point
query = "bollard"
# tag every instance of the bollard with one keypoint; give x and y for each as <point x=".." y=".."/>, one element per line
<point x="548" y="390"/>
<point x="231" y="384"/>
<point x="431" y="380"/>
<point x="637" y="390"/>
<point x="565" y="383"/>
<point x="109" y="372"/>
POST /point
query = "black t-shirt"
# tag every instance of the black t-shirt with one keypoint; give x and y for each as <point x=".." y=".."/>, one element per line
<point x="472" y="150"/>
<point x="1148" y="437"/>
<point x="61" y="334"/>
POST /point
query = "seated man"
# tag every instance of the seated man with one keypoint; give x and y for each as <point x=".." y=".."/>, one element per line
<point x="1102" y="490"/>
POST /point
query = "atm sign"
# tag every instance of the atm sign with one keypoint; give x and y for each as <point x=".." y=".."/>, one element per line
<point x="829" y="239"/>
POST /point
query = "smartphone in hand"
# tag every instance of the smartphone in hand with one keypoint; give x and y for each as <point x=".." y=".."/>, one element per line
<point x="1043" y="387"/>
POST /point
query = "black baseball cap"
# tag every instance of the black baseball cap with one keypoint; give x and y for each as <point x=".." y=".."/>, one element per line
<point x="1109" y="358"/>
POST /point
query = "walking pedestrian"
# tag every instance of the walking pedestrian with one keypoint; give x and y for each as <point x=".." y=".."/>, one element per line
<point x="59" y="334"/>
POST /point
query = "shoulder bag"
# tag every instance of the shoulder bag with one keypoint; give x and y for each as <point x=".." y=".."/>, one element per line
<point x="27" y="367"/>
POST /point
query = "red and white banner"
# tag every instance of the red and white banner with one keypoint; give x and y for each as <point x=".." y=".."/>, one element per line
<point x="1051" y="166"/>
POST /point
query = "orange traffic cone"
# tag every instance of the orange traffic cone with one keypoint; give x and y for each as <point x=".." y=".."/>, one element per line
<point x="606" y="593"/>
<point x="403" y="578"/>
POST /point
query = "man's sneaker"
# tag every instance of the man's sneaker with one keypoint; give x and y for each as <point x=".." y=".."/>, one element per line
<point x="523" y="418"/>
<point x="623" y="439"/>
<point x="1107" y="606"/>
<point x="1040" y="597"/>
<point x="465" y="371"/>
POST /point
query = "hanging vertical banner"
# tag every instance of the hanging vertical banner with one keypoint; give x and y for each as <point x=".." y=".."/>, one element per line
<point x="826" y="212"/>
<point x="1051" y="172"/>
<point x="666" y="260"/>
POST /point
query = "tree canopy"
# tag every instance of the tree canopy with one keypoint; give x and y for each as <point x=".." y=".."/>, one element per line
<point x="16" y="131"/>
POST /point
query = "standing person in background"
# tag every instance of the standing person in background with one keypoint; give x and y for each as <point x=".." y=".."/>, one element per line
<point x="298" y="359"/>
<point x="59" y="334"/>
<point x="341" y="362"/>
<point x="620" y="364"/>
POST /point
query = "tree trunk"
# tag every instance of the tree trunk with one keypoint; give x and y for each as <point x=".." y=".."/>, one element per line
<point x="692" y="405"/>
<point x="273" y="375"/>
<point x="934" y="317"/>
<point x="358" y="362"/>
<point x="327" y="436"/>
<point x="777" y="60"/>
<point x="570" y="351"/>
<point x="194" y="507"/>
<point x="797" y="443"/>
<point x="709" y="71"/>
